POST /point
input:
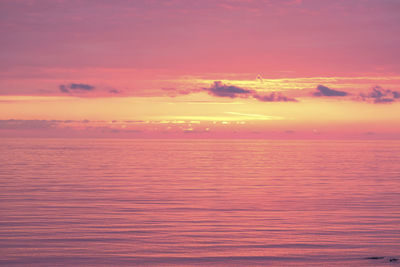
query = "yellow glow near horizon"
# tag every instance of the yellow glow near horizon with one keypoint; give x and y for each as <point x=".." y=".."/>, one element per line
<point x="181" y="108"/>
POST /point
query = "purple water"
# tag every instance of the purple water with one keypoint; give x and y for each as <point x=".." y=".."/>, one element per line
<point x="69" y="202"/>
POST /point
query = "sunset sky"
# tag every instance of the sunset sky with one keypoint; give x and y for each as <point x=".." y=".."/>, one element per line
<point x="285" y="69"/>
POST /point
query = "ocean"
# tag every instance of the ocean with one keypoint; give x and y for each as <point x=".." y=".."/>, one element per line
<point x="110" y="202"/>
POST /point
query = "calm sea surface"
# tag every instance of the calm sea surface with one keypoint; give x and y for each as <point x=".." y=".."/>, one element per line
<point x="199" y="202"/>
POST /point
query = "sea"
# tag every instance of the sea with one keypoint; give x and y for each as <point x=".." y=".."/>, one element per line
<point x="135" y="202"/>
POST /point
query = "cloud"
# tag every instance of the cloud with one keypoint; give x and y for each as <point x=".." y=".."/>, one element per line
<point x="379" y="95"/>
<point x="114" y="91"/>
<point x="106" y="129"/>
<point x="376" y="95"/>
<point x="77" y="87"/>
<point x="81" y="86"/>
<point x="326" y="91"/>
<point x="28" y="124"/>
<point x="173" y="92"/>
<point x="274" y="97"/>
<point x="63" y="88"/>
<point x="255" y="116"/>
<point x="223" y="90"/>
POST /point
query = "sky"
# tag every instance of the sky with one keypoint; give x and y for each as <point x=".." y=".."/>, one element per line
<point x="281" y="69"/>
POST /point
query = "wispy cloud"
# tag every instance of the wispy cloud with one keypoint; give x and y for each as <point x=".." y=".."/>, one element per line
<point x="273" y="97"/>
<point x="28" y="124"/>
<point x="173" y="92"/>
<point x="78" y="125"/>
<point x="255" y="116"/>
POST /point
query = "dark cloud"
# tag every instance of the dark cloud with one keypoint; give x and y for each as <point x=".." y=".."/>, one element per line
<point x="383" y="100"/>
<point x="379" y="95"/>
<point x="326" y="91"/>
<point x="81" y="86"/>
<point x="76" y="87"/>
<point x="223" y="90"/>
<point x="63" y="88"/>
<point x="274" y="97"/>
<point x="114" y="91"/>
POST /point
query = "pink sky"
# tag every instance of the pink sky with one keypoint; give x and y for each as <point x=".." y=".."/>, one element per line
<point x="154" y="62"/>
